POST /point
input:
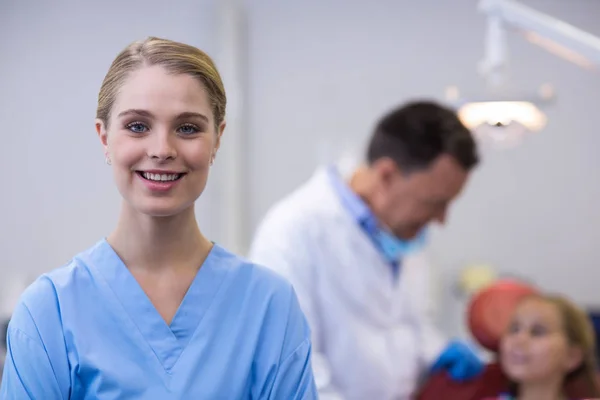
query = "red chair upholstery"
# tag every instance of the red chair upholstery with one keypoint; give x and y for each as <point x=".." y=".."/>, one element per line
<point x="489" y="384"/>
<point x="491" y="309"/>
<point x="489" y="313"/>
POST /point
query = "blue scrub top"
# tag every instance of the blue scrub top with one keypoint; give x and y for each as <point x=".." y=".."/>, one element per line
<point x="88" y="331"/>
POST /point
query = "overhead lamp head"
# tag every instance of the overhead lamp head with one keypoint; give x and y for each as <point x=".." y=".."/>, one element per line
<point x="502" y="119"/>
<point x="502" y="114"/>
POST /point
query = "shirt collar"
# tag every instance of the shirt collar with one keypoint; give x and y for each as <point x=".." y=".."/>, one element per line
<point x="354" y="205"/>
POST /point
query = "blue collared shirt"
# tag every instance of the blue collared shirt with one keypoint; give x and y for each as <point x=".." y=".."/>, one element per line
<point x="357" y="208"/>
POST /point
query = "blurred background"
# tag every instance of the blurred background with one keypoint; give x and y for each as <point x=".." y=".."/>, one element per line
<point x="307" y="81"/>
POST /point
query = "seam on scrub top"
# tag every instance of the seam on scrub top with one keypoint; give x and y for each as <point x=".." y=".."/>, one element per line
<point x="291" y="301"/>
<point x="305" y="342"/>
<point x="60" y="317"/>
<point x="40" y="335"/>
<point x="9" y="349"/>
<point x="32" y="340"/>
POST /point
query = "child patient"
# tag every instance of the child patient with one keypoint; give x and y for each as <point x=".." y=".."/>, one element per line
<point x="549" y="345"/>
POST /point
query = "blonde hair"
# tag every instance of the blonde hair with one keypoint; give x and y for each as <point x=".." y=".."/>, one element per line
<point x="176" y="58"/>
<point x="579" y="331"/>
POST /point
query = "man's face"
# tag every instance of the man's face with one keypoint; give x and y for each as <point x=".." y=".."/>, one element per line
<point x="407" y="202"/>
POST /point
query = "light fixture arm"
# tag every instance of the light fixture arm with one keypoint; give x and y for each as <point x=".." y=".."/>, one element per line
<point x="559" y="37"/>
<point x="494" y="63"/>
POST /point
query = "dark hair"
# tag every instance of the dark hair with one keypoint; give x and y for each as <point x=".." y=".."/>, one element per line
<point x="417" y="133"/>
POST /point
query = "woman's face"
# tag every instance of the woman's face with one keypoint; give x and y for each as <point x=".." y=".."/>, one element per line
<point x="160" y="141"/>
<point x="535" y="347"/>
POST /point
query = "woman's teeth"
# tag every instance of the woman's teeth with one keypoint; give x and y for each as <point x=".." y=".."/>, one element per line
<point x="160" y="177"/>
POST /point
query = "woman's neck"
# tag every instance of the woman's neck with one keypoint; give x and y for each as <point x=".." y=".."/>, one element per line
<point x="159" y="243"/>
<point x="537" y="391"/>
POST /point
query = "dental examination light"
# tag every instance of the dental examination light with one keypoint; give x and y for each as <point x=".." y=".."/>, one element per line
<point x="505" y="118"/>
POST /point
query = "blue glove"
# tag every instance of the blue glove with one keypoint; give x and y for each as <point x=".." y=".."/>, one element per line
<point x="460" y="361"/>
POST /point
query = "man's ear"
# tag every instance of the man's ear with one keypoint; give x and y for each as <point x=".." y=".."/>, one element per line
<point x="387" y="169"/>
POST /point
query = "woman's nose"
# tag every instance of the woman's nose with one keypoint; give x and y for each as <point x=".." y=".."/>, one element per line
<point x="161" y="146"/>
<point x="521" y="338"/>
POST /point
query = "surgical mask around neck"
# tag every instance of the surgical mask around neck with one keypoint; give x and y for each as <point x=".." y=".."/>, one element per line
<point x="394" y="248"/>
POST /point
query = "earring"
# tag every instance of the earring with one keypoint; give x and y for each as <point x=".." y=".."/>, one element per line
<point x="107" y="160"/>
<point x="212" y="160"/>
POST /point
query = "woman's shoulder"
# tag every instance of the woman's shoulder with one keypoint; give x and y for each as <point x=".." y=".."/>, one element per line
<point x="252" y="275"/>
<point x="37" y="313"/>
<point x="268" y="297"/>
<point x="259" y="285"/>
<point x="45" y="290"/>
<point x="43" y="296"/>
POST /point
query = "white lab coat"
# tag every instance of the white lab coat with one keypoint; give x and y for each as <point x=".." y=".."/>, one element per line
<point x="373" y="335"/>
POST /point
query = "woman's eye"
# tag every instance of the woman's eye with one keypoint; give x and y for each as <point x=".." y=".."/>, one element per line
<point x="513" y="328"/>
<point x="188" y="129"/>
<point x="538" y="331"/>
<point x="137" y="127"/>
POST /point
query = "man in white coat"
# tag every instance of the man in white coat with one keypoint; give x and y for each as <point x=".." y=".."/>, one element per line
<point x="350" y="242"/>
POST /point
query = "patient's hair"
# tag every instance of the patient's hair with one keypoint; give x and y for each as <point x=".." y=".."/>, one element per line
<point x="580" y="333"/>
<point x="417" y="133"/>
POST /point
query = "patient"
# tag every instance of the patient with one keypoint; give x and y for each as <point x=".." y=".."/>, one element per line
<point x="548" y="346"/>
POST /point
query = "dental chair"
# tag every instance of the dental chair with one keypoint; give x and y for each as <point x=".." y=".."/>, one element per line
<point x="489" y="314"/>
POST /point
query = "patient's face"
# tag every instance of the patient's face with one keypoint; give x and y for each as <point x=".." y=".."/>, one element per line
<point x="535" y="347"/>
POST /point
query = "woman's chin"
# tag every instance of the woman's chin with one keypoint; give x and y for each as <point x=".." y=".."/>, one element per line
<point x="163" y="209"/>
<point x="518" y="374"/>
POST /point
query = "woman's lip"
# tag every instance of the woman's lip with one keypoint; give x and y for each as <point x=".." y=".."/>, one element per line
<point x="160" y="186"/>
<point x="517" y="356"/>
<point x="160" y="172"/>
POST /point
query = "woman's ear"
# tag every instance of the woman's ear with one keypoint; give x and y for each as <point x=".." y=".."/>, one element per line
<point x="102" y="134"/>
<point x="220" y="130"/>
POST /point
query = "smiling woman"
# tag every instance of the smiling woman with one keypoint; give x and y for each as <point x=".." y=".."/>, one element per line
<point x="155" y="133"/>
<point x="156" y="310"/>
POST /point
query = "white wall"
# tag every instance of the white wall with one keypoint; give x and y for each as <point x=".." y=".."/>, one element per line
<point x="320" y="73"/>
<point x="325" y="70"/>
<point x="58" y="197"/>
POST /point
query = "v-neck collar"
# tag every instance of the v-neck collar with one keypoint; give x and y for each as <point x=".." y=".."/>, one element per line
<point x="167" y="342"/>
